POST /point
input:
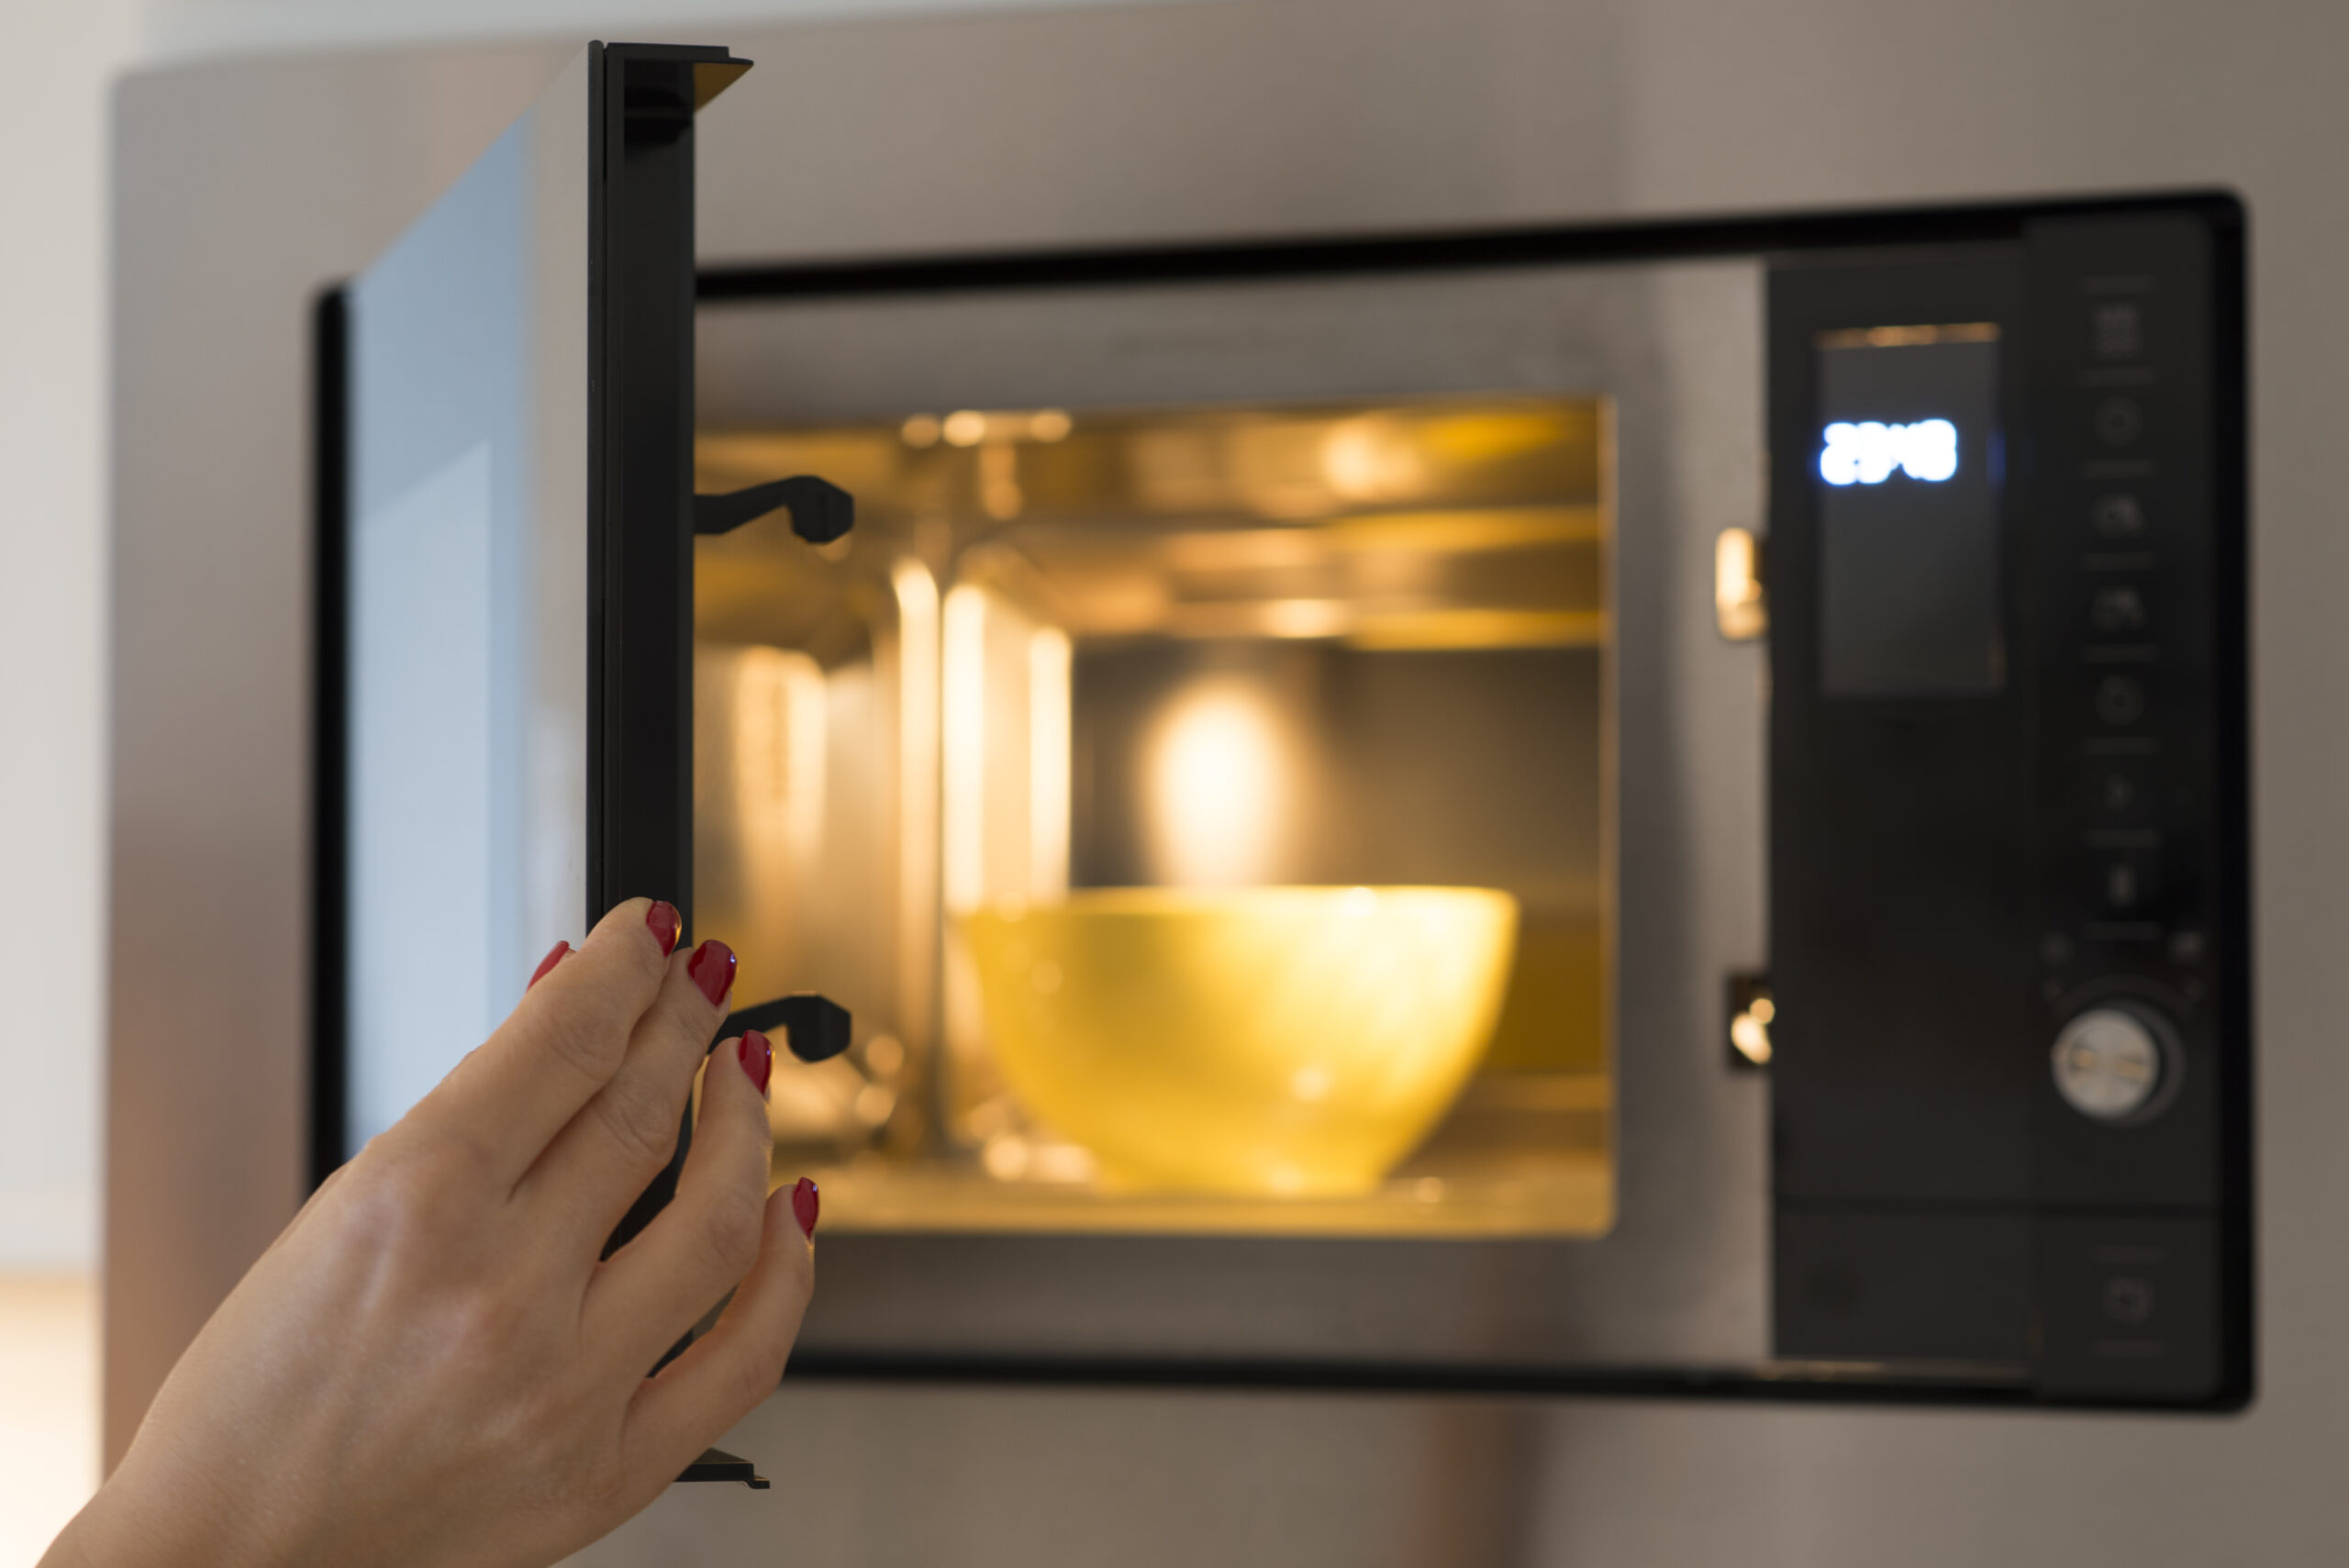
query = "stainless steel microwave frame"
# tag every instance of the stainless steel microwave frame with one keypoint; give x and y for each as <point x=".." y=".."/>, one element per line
<point x="1941" y="1223"/>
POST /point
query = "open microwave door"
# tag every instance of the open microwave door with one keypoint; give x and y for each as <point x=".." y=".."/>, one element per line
<point x="506" y="496"/>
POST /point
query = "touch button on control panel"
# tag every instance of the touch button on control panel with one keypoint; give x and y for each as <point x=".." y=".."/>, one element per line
<point x="2113" y="1063"/>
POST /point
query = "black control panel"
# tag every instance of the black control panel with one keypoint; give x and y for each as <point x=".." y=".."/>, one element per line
<point x="2010" y="895"/>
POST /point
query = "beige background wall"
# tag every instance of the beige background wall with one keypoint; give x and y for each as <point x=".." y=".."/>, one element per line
<point x="52" y="643"/>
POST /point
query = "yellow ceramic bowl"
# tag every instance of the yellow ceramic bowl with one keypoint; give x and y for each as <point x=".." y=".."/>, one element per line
<point x="1277" y="1040"/>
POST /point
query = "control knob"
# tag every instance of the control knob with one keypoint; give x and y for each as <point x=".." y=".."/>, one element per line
<point x="2116" y="1062"/>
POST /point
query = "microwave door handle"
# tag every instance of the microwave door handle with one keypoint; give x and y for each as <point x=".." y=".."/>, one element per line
<point x="815" y="1027"/>
<point x="717" y="1465"/>
<point x="820" y="510"/>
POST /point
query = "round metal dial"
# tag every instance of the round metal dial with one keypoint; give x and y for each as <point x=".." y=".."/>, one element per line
<point x="2111" y="1062"/>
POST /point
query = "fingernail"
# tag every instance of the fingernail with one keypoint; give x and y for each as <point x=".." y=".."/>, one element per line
<point x="805" y="1202"/>
<point x="555" y="955"/>
<point x="757" y="1057"/>
<point x="712" y="967"/>
<point x="666" y="924"/>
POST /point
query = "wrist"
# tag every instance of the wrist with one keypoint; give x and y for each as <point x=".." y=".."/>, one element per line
<point x="114" y="1531"/>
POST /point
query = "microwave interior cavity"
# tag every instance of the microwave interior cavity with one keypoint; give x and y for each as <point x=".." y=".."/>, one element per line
<point x="1225" y="687"/>
<point x="1235" y="780"/>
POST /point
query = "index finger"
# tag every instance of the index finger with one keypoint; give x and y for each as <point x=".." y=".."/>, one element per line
<point x="562" y="1043"/>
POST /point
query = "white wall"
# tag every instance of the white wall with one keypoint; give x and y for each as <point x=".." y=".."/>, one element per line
<point x="52" y="642"/>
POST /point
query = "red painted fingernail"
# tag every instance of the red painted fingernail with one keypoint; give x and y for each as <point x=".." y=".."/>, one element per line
<point x="805" y="1203"/>
<point x="555" y="955"/>
<point x="666" y="924"/>
<point x="757" y="1057"/>
<point x="712" y="967"/>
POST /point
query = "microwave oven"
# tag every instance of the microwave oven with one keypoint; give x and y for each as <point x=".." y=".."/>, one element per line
<point x="1654" y="809"/>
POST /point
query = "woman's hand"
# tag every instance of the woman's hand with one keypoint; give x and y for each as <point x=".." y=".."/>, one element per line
<point x="432" y="1366"/>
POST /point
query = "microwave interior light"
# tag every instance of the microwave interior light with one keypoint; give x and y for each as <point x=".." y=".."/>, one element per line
<point x="1219" y="774"/>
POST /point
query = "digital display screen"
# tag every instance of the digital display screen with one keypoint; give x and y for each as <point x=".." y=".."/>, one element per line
<point x="1908" y="460"/>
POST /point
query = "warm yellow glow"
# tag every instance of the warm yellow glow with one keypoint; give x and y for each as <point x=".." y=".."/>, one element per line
<point x="1459" y="629"/>
<point x="1370" y="458"/>
<point x="1750" y="1032"/>
<point x="1228" y="461"/>
<point x="779" y="736"/>
<point x="1218" y="786"/>
<point x="1495" y="435"/>
<point x="1049" y="762"/>
<point x="1304" y="617"/>
<point x="1000" y="493"/>
<point x="1005" y="751"/>
<point x="1288" y="1041"/>
<point x="884" y="1055"/>
<point x="1382" y="534"/>
<point x="918" y="703"/>
<point x="962" y="683"/>
<point x="1908" y="337"/>
<point x="873" y="1103"/>
<point x="1005" y="1157"/>
<point x="1740" y="606"/>
<point x="1464" y="532"/>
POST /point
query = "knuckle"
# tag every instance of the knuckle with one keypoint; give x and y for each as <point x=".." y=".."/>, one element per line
<point x="684" y="1012"/>
<point x="730" y="1235"/>
<point x="459" y="1163"/>
<point x="377" y="1209"/>
<point x="643" y="1123"/>
<point x="482" y="1328"/>
<point x="589" y="1041"/>
<point x="414" y="1192"/>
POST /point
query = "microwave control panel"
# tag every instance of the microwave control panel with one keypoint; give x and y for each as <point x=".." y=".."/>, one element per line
<point x="2010" y="901"/>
